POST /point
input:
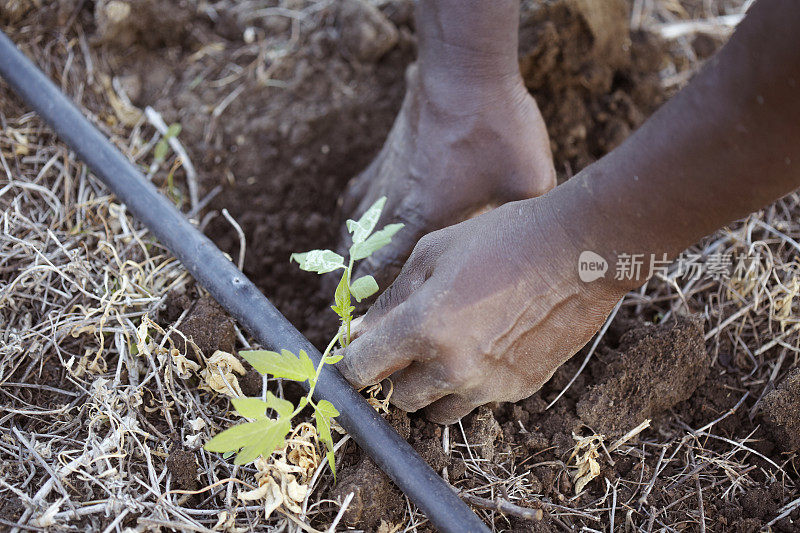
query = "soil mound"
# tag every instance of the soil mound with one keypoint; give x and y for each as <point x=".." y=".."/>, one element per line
<point x="658" y="367"/>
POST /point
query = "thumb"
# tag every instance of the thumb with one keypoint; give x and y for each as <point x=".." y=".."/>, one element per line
<point x="391" y="343"/>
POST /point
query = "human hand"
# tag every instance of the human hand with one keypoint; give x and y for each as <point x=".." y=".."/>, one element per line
<point x="452" y="152"/>
<point x="485" y="310"/>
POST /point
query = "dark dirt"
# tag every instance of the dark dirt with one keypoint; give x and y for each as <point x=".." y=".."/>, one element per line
<point x="657" y="367"/>
<point x="183" y="467"/>
<point x="375" y="498"/>
<point x="593" y="79"/>
<point x="209" y="327"/>
<point x="781" y="412"/>
<point x="291" y="139"/>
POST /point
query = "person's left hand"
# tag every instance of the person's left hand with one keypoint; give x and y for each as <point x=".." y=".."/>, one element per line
<point x="483" y="311"/>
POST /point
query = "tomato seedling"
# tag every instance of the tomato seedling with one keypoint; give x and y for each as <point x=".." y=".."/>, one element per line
<point x="266" y="434"/>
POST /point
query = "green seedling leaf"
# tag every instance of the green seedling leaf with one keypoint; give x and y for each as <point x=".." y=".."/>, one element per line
<point x="324" y="429"/>
<point x="271" y="438"/>
<point x="308" y="366"/>
<point x="303" y="402"/>
<point x="284" y="408"/>
<point x="363" y="287"/>
<point x="160" y="151"/>
<point x="250" y="407"/>
<point x="234" y="438"/>
<point x="364" y="226"/>
<point x="319" y="261"/>
<point x="173" y="131"/>
<point x="332" y="463"/>
<point x="326" y="408"/>
<point x="342" y="295"/>
<point x="324" y="432"/>
<point x="331" y="359"/>
<point x="375" y="242"/>
<point x="281" y="365"/>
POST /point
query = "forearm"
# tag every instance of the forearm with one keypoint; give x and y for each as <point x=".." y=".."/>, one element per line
<point x="725" y="146"/>
<point x="465" y="44"/>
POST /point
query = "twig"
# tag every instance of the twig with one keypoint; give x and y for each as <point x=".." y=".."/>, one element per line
<point x="502" y="506"/>
<point x="340" y="514"/>
<point x="700" y="504"/>
<point x="629" y="435"/>
<point x="717" y="26"/>
<point x="240" y="233"/>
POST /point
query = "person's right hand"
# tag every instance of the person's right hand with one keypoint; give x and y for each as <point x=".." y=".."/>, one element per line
<point x="454" y="150"/>
<point x="485" y="310"/>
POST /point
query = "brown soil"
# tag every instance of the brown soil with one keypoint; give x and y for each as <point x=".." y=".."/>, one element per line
<point x="780" y="412"/>
<point x="295" y="128"/>
<point x="657" y="367"/>
<point x="182" y="466"/>
<point x="209" y="327"/>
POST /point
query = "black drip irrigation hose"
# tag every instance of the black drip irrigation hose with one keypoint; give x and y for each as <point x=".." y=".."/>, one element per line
<point x="237" y="294"/>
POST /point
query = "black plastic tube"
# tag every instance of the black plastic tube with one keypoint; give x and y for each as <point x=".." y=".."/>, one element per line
<point x="238" y="295"/>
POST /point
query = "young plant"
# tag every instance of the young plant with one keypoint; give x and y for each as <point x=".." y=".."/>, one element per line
<point x="267" y="433"/>
<point x="162" y="146"/>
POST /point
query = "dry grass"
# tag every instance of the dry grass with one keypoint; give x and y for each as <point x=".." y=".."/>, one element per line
<point x="97" y="400"/>
<point x="96" y="397"/>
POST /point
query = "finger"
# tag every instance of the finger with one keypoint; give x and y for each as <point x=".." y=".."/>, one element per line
<point x="389" y="346"/>
<point x="418" y="385"/>
<point x="450" y="409"/>
<point x="413" y="275"/>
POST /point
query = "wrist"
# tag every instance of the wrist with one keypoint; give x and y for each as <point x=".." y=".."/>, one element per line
<point x="606" y="248"/>
<point x="471" y="42"/>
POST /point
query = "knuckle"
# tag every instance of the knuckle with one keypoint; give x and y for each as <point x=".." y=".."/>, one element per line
<point x="459" y="374"/>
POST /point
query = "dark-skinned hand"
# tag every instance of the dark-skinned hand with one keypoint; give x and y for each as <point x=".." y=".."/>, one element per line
<point x="483" y="311"/>
<point x="448" y="158"/>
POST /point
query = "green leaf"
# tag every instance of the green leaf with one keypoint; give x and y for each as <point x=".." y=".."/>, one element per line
<point x="342" y="295"/>
<point x="270" y="439"/>
<point x="324" y="429"/>
<point x="303" y="402"/>
<point x="326" y="408"/>
<point x="281" y="365"/>
<point x="375" y="242"/>
<point x="308" y="365"/>
<point x="284" y="408"/>
<point x="250" y="407"/>
<point x="331" y="359"/>
<point x="319" y="261"/>
<point x="331" y="462"/>
<point x="234" y="438"/>
<point x="173" y="131"/>
<point x="363" y="287"/>
<point x="160" y="151"/>
<point x="324" y="432"/>
<point x="364" y="226"/>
